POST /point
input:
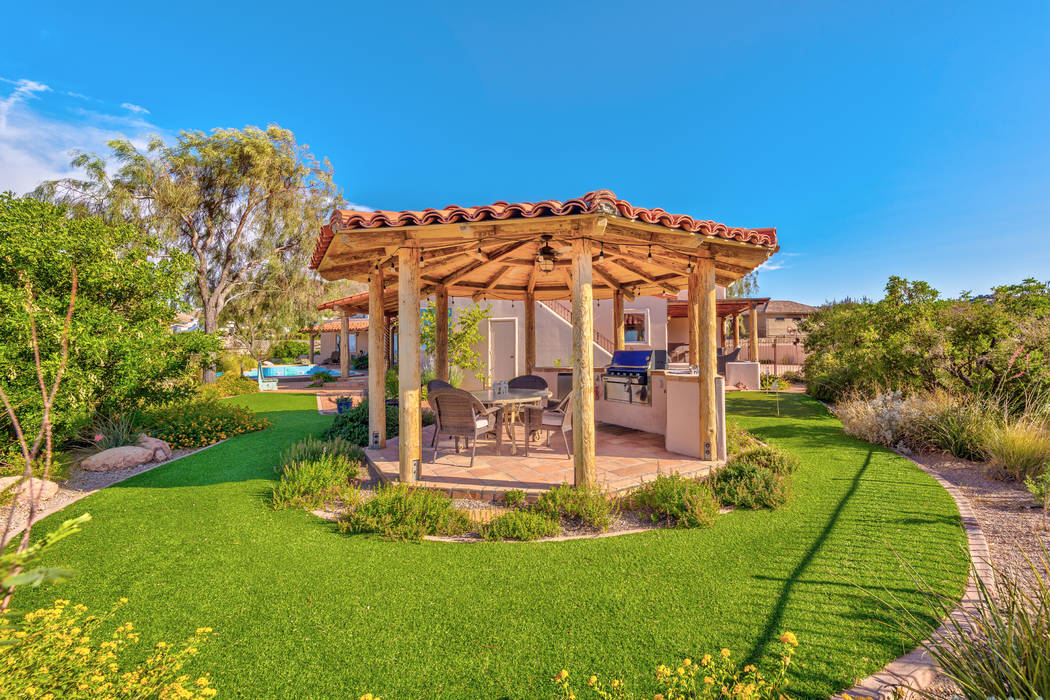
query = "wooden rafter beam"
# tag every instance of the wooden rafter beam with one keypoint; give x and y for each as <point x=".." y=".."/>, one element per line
<point x="504" y="252"/>
<point x="491" y="283"/>
<point x="630" y="266"/>
<point x="607" y="277"/>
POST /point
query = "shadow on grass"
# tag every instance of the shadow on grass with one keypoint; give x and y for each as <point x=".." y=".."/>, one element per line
<point x="772" y="630"/>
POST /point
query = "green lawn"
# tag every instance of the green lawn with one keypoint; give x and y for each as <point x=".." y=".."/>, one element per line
<point x="302" y="611"/>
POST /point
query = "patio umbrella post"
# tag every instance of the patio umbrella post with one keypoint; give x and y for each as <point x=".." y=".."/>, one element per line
<point x="582" y="364"/>
<point x="376" y="361"/>
<point x="410" y="429"/>
<point x="441" y="334"/>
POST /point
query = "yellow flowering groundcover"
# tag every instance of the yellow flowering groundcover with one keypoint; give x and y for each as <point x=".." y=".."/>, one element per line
<point x="201" y="422"/>
<point x="62" y="652"/>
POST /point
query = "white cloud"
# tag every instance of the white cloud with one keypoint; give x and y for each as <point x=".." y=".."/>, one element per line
<point x="40" y="129"/>
<point x="770" y="266"/>
<point x="137" y="109"/>
<point x="356" y="207"/>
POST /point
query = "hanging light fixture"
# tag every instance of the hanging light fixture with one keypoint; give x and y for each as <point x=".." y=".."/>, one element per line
<point x="601" y="253"/>
<point x="546" y="255"/>
<point x="650" y="252"/>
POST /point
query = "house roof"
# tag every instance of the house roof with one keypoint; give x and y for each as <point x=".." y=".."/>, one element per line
<point x="490" y="251"/>
<point x="723" y="307"/>
<point x="355" y="324"/>
<point x="783" y="306"/>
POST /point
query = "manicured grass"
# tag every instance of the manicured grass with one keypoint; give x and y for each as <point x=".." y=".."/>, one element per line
<point x="302" y="611"/>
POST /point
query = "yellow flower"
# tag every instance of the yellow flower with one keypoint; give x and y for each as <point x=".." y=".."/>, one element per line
<point x="366" y="696"/>
<point x="562" y="675"/>
<point x="724" y="653"/>
<point x="789" y="638"/>
<point x="592" y="680"/>
<point x="687" y="662"/>
<point x="706" y="660"/>
<point x="709" y="680"/>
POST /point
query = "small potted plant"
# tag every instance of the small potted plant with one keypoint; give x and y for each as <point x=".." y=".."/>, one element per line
<point x="343" y="404"/>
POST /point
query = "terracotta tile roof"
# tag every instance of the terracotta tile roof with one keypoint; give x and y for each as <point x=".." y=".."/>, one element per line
<point x="355" y="324"/>
<point x="599" y="201"/>
<point x="782" y="306"/>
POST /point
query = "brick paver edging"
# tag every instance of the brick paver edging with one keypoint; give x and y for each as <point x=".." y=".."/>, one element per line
<point x="916" y="669"/>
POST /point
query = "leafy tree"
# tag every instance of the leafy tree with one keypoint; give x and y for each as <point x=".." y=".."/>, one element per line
<point x="463" y="337"/>
<point x="237" y="201"/>
<point x="122" y="353"/>
<point x="746" y="286"/>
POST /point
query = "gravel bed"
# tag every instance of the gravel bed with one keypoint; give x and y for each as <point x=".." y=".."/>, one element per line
<point x="1013" y="523"/>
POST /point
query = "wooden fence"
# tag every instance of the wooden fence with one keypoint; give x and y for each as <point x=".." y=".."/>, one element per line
<point x="776" y="355"/>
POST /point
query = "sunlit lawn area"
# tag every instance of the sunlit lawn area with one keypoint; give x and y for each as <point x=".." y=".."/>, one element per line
<point x="303" y="611"/>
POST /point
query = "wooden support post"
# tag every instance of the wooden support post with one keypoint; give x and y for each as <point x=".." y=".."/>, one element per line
<point x="708" y="314"/>
<point x="736" y="331"/>
<point x="530" y="332"/>
<point x="752" y="350"/>
<point x="344" y="343"/>
<point x="410" y="429"/>
<point x="313" y="353"/>
<point x="693" y="308"/>
<point x="441" y="334"/>
<point x="722" y="333"/>
<point x="376" y="362"/>
<point x="618" y="321"/>
<point x="583" y="446"/>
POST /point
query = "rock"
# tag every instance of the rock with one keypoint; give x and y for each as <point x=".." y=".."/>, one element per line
<point x="117" y="458"/>
<point x="161" y="450"/>
<point x="41" y="488"/>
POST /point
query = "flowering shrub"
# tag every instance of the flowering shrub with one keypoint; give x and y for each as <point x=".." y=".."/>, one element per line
<point x="229" y="385"/>
<point x="314" y="472"/>
<point x="403" y="512"/>
<point x="738" y="439"/>
<point x="61" y="652"/>
<point x="681" y="502"/>
<point x="887" y="419"/>
<point x="200" y="423"/>
<point x="710" y="677"/>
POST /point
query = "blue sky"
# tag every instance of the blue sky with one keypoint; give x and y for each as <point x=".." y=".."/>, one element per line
<point x="879" y="138"/>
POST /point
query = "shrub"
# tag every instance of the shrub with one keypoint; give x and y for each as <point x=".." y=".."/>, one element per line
<point x="404" y="512"/>
<point x="771" y="382"/>
<point x="63" y="652"/>
<point x="113" y="431"/>
<point x="360" y="362"/>
<point x="681" y="502"/>
<point x="513" y="498"/>
<point x="391" y="382"/>
<point x="738" y="439"/>
<point x="887" y="419"/>
<point x="1018" y="449"/>
<point x="229" y="385"/>
<point x="200" y="423"/>
<point x="1039" y="487"/>
<point x="770" y="457"/>
<point x="744" y="484"/>
<point x="590" y="505"/>
<point x="352" y="425"/>
<point x="954" y="424"/>
<point x="310" y="483"/>
<point x="313" y="448"/>
<point x="712" y="676"/>
<point x="520" y="525"/>
<point x="322" y="377"/>
<point x="290" y="349"/>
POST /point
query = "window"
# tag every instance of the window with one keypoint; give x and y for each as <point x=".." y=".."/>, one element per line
<point x="636" y="326"/>
<point x="780" y="318"/>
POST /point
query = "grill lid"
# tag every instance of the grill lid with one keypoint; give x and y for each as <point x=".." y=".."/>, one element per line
<point x="637" y="360"/>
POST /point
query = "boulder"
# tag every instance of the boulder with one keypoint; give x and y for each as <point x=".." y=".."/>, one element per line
<point x="42" y="488"/>
<point x="161" y="450"/>
<point x="117" y="458"/>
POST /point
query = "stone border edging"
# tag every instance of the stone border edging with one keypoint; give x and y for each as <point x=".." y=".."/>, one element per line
<point x="84" y="494"/>
<point x="916" y="669"/>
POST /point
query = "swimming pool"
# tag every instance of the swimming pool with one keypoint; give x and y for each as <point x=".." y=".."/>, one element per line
<point x="292" y="371"/>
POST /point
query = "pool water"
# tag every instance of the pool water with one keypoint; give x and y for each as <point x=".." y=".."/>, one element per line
<point x="291" y="371"/>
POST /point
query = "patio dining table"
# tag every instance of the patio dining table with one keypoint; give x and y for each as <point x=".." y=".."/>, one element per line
<point x="511" y="401"/>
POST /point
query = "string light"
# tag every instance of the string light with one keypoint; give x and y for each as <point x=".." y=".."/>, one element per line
<point x="650" y="252"/>
<point x="392" y="267"/>
<point x="601" y="253"/>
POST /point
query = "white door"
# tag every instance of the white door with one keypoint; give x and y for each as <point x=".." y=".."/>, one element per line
<point x="503" y="344"/>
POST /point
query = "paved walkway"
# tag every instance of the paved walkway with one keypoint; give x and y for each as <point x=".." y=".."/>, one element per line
<point x="625" y="459"/>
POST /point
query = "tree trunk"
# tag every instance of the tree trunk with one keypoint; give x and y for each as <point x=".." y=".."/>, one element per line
<point x="211" y="322"/>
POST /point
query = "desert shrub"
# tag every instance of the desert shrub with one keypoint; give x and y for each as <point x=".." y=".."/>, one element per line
<point x="520" y="525"/>
<point x="680" y="502"/>
<point x="391" y="382"/>
<point x="771" y="382"/>
<point x="770" y="457"/>
<point x="352" y="425"/>
<point x="588" y="504"/>
<point x="313" y="448"/>
<point x="61" y="651"/>
<point x="997" y="646"/>
<point x="1039" y="487"/>
<point x="359" y="362"/>
<point x="744" y="484"/>
<point x="404" y="512"/>
<point x="310" y="483"/>
<point x="887" y="419"/>
<point x="709" y="677"/>
<point x="322" y="377"/>
<point x="792" y="376"/>
<point x="954" y="424"/>
<point x="113" y="431"/>
<point x="199" y="423"/>
<point x="1019" y="448"/>
<point x="229" y="385"/>
<point x="513" y="498"/>
<point x="738" y="439"/>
